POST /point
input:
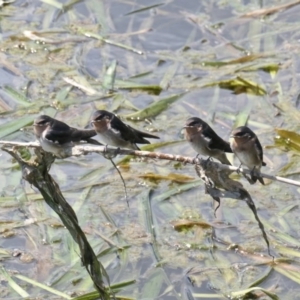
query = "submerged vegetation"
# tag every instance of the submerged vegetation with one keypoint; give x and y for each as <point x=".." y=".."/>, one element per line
<point x="155" y="64"/>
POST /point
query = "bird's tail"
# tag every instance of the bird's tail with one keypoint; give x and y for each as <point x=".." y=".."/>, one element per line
<point x="77" y="135"/>
<point x="254" y="178"/>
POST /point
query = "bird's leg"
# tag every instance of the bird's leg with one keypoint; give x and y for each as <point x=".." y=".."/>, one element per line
<point x="195" y="159"/>
<point x="208" y="160"/>
<point x="253" y="173"/>
<point x="110" y="155"/>
<point x="117" y="151"/>
<point x="239" y="169"/>
<point x="250" y="179"/>
<point x="105" y="152"/>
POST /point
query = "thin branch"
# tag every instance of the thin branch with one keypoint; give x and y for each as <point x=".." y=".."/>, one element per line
<point x="84" y="149"/>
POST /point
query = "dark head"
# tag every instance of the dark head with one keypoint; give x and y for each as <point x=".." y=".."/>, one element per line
<point x="243" y="132"/>
<point x="193" y="126"/>
<point x="194" y="122"/>
<point x="101" y="120"/>
<point x="41" y="123"/>
<point x="100" y="115"/>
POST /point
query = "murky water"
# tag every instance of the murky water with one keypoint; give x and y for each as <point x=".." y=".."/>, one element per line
<point x="229" y="68"/>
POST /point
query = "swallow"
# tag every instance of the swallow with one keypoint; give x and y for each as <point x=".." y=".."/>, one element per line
<point x="205" y="141"/>
<point x="246" y="146"/>
<point x="54" y="136"/>
<point x="112" y="131"/>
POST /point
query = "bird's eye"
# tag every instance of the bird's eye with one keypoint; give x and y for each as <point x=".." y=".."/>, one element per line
<point x="101" y="117"/>
<point x="241" y="134"/>
<point x="193" y="124"/>
<point x="42" y="122"/>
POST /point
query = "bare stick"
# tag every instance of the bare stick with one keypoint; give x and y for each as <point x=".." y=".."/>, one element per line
<point x="85" y="149"/>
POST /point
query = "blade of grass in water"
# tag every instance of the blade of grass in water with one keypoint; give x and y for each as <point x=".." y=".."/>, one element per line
<point x="169" y="75"/>
<point x="13" y="284"/>
<point x="15" y="125"/>
<point x="99" y="10"/>
<point x="154" y="109"/>
<point x="43" y="286"/>
<point x="177" y="190"/>
<point x="242" y="293"/>
<point x="107" y="41"/>
<point x="109" y="76"/>
<point x="242" y="117"/>
<point x="150" y="226"/>
<point x="214" y="102"/>
<point x="126" y="84"/>
<point x="143" y="9"/>
<point x="18" y="97"/>
<point x="239" y="85"/>
<point x="54" y="3"/>
<point x="293" y="275"/>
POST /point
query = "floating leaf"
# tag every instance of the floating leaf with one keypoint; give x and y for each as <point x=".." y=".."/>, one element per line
<point x="288" y="138"/>
<point x="179" y="178"/>
<point x="240" y="60"/>
<point x="126" y="84"/>
<point x="293" y="165"/>
<point x="179" y="225"/>
<point x="242" y="293"/>
<point x="240" y="85"/>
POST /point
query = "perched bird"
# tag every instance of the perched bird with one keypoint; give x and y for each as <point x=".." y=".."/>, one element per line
<point x="246" y="146"/>
<point x="112" y="131"/>
<point x="54" y="135"/>
<point x="205" y="141"/>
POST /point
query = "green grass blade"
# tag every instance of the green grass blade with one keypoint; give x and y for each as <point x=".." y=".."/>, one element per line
<point x="54" y="3"/>
<point x="15" y="125"/>
<point x="18" y="97"/>
<point x="13" y="284"/>
<point x="43" y="286"/>
<point x="154" y="109"/>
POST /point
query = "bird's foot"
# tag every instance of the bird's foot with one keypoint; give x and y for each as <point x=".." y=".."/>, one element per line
<point x="195" y="159"/>
<point x="239" y="169"/>
<point x="256" y="176"/>
<point x="112" y="154"/>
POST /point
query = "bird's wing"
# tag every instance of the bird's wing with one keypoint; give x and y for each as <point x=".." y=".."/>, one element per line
<point x="58" y="132"/>
<point x="214" y="141"/>
<point x="259" y="151"/>
<point x="128" y="133"/>
<point x="81" y="134"/>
